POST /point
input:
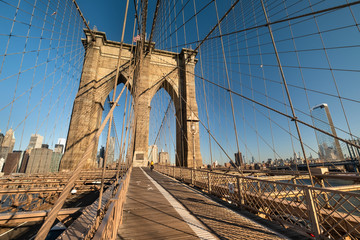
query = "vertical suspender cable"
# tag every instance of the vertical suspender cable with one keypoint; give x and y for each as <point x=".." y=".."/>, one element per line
<point x="111" y="117"/>
<point x="287" y="91"/>
<point x="202" y="75"/>
<point x="227" y="77"/>
<point x="45" y="228"/>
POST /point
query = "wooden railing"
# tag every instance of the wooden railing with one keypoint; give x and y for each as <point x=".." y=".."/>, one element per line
<point x="321" y="212"/>
<point x="113" y="216"/>
<point x="39" y="192"/>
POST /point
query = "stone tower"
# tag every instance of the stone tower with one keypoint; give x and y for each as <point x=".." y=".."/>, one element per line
<point x="159" y="69"/>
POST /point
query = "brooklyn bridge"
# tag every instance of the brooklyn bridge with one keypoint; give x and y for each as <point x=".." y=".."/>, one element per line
<point x="179" y="119"/>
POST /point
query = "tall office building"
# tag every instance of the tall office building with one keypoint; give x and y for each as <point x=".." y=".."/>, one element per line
<point x="7" y="144"/>
<point x="111" y="151"/>
<point x="59" y="148"/>
<point x="24" y="162"/>
<point x="12" y="161"/>
<point x="101" y="156"/>
<point x="55" y="161"/>
<point x="9" y="140"/>
<point x="164" y="158"/>
<point x="1" y="138"/>
<point x="40" y="160"/>
<point x="154" y="153"/>
<point x="35" y="141"/>
<point x="2" y="162"/>
<point x="238" y="159"/>
<point x="62" y="141"/>
<point x="329" y="147"/>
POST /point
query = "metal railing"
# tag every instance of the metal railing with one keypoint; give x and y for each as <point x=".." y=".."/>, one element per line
<point x="321" y="212"/>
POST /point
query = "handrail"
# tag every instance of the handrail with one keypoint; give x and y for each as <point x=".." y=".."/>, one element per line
<point x="325" y="212"/>
<point x="113" y="216"/>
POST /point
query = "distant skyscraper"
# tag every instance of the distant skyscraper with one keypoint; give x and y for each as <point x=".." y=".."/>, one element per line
<point x="35" y="141"/>
<point x="238" y="159"/>
<point x="62" y="141"/>
<point x="1" y="138"/>
<point x="39" y="161"/>
<point x="7" y="144"/>
<point x="164" y="158"/>
<point x="9" y="140"/>
<point x="55" y="161"/>
<point x="59" y="148"/>
<point x="2" y="162"/>
<point x="329" y="147"/>
<point x="111" y="151"/>
<point x="154" y="153"/>
<point x="100" y="156"/>
<point x="24" y="162"/>
<point x="12" y="161"/>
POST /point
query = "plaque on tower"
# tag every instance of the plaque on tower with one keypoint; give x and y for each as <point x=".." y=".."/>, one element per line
<point x="140" y="156"/>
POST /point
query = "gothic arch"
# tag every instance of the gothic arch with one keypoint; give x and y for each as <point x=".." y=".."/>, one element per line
<point x="169" y="88"/>
<point x="173" y="71"/>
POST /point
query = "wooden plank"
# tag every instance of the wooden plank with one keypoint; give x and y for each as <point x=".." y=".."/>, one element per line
<point x="148" y="215"/>
<point x="226" y="224"/>
<point x="80" y="227"/>
<point x="19" y="217"/>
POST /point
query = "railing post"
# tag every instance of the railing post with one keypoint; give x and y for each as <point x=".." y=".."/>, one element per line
<point x="325" y="196"/>
<point x="312" y="213"/>
<point x="209" y="182"/>
<point x="174" y="171"/>
<point x="294" y="182"/>
<point x="240" y="190"/>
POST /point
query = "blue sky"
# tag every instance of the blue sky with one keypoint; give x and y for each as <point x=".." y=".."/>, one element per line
<point x="251" y="64"/>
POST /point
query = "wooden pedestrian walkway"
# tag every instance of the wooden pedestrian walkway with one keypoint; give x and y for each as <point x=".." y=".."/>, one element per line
<point x="151" y="212"/>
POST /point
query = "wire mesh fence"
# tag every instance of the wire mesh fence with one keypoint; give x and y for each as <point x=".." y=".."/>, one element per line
<point x="321" y="212"/>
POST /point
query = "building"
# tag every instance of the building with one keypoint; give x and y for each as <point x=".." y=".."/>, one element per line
<point x="238" y="159"/>
<point x="111" y="151"/>
<point x="55" y="161"/>
<point x="164" y="158"/>
<point x="154" y="153"/>
<point x="1" y="138"/>
<point x="12" y="161"/>
<point x="40" y="160"/>
<point x="7" y="144"/>
<point x="62" y="141"/>
<point x="35" y="141"/>
<point x="9" y="140"/>
<point x="101" y="156"/>
<point x="59" y="148"/>
<point x="329" y="147"/>
<point x="2" y="161"/>
<point x="24" y="162"/>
